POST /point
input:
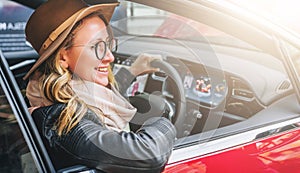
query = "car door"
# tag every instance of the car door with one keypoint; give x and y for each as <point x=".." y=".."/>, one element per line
<point x="261" y="140"/>
<point x="21" y="147"/>
<point x="257" y="129"/>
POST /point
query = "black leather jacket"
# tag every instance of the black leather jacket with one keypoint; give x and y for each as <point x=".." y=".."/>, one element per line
<point x="90" y="143"/>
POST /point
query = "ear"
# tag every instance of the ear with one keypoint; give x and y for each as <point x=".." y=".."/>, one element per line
<point x="63" y="58"/>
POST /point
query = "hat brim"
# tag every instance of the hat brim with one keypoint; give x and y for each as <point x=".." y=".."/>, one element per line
<point x="106" y="10"/>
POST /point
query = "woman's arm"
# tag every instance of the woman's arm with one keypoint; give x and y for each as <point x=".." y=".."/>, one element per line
<point x="124" y="78"/>
<point x="141" y="65"/>
<point x="147" y="150"/>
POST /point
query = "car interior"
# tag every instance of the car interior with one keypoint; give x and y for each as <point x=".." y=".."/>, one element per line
<point x="224" y="80"/>
<point x="207" y="82"/>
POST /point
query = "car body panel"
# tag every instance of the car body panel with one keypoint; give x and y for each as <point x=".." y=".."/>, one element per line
<point x="279" y="153"/>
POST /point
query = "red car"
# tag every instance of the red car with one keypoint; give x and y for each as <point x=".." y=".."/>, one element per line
<point x="229" y="81"/>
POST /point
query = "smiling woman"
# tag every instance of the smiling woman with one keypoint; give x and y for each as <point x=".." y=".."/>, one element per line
<point x="97" y="61"/>
<point x="73" y="94"/>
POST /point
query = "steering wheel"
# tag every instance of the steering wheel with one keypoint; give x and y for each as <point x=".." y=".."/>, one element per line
<point x="157" y="102"/>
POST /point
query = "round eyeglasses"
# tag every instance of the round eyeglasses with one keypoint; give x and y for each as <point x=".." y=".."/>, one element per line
<point x="101" y="47"/>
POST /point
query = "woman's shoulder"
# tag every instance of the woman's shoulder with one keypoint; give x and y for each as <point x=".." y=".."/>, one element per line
<point x="47" y="115"/>
<point x="50" y="114"/>
<point x="45" y="119"/>
<point x="56" y="108"/>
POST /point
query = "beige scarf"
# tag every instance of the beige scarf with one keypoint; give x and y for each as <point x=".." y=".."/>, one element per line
<point x="117" y="110"/>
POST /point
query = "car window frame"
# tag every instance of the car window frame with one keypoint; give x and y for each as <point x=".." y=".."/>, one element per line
<point x="25" y="121"/>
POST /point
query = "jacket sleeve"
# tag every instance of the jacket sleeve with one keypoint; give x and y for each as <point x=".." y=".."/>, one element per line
<point x="124" y="79"/>
<point x="146" y="150"/>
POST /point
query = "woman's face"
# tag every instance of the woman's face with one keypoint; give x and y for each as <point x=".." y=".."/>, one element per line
<point x="81" y="58"/>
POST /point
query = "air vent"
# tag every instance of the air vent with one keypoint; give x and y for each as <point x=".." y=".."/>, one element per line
<point x="284" y="85"/>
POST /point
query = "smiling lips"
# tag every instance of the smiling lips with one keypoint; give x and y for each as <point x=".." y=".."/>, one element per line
<point x="102" y="69"/>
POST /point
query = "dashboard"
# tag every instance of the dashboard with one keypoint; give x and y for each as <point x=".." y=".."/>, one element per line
<point x="208" y="91"/>
<point x="205" y="88"/>
<point x="198" y="85"/>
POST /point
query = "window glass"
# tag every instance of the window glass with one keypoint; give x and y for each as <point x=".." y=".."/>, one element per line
<point x="137" y="19"/>
<point x="14" y="152"/>
<point x="140" y="20"/>
<point x="285" y="12"/>
<point x="226" y="80"/>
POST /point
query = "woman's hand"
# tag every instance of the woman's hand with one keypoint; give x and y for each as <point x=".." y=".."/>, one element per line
<point x="142" y="64"/>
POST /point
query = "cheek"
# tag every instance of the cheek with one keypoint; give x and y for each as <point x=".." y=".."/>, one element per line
<point x="81" y="61"/>
<point x="84" y="68"/>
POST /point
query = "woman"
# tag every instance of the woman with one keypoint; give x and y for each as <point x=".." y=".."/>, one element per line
<point x="81" y="116"/>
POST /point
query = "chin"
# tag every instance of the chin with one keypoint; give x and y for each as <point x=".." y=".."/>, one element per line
<point x="103" y="83"/>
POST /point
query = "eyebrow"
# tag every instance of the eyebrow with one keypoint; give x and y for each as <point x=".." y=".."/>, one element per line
<point x="99" y="39"/>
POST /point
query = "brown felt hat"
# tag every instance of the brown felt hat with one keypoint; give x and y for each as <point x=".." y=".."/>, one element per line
<point x="51" y="23"/>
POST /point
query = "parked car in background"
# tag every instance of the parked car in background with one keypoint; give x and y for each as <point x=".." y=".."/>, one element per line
<point x="229" y="81"/>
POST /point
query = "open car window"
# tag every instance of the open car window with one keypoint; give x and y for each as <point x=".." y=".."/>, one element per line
<point x="229" y="87"/>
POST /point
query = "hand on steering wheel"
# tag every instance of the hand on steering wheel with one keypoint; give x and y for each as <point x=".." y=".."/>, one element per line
<point x="146" y="64"/>
<point x="142" y="65"/>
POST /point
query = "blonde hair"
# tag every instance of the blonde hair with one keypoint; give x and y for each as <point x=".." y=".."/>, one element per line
<point x="54" y="84"/>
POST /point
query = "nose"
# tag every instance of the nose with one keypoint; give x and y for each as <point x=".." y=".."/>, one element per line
<point x="109" y="57"/>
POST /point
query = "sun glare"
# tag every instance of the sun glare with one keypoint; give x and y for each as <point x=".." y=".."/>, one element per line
<point x="284" y="11"/>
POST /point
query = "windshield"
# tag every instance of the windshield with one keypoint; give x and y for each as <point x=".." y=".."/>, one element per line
<point x="139" y="20"/>
<point x="283" y="12"/>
